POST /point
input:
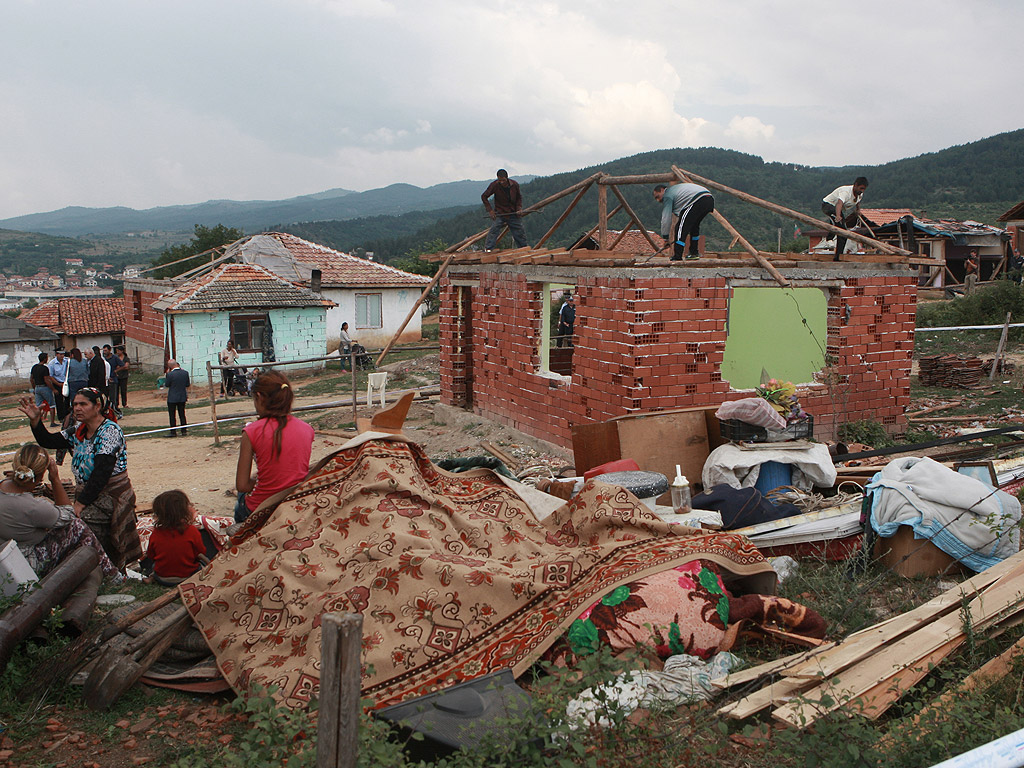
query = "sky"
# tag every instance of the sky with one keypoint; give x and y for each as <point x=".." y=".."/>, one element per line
<point x="144" y="103"/>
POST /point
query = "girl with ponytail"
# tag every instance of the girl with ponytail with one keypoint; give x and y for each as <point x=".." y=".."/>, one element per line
<point x="279" y="443"/>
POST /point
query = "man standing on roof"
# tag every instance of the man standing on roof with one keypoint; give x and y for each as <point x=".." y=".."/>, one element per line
<point x="691" y="203"/>
<point x="842" y="206"/>
<point x="507" y="210"/>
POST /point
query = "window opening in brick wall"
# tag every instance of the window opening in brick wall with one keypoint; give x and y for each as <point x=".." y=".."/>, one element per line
<point x="247" y="332"/>
<point x="557" y="338"/>
<point x="137" y="304"/>
<point x="368" y="310"/>
<point x="768" y="336"/>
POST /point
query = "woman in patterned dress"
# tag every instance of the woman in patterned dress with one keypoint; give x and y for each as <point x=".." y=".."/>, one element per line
<point x="45" y="530"/>
<point x="104" y="497"/>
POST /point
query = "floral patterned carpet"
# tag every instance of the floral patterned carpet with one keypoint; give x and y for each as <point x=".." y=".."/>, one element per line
<point x="453" y="573"/>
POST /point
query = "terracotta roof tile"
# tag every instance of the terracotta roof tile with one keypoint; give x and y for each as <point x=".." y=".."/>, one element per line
<point x="78" y="317"/>
<point x="340" y="270"/>
<point x="238" y="286"/>
<point x="881" y="216"/>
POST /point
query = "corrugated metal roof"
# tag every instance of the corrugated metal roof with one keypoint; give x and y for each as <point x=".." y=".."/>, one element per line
<point x="294" y="259"/>
<point x="238" y="286"/>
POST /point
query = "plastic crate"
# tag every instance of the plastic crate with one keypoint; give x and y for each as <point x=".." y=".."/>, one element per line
<point x="736" y="431"/>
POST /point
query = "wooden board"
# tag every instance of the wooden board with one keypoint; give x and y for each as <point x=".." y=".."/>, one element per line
<point x="594" y="444"/>
<point x="660" y="441"/>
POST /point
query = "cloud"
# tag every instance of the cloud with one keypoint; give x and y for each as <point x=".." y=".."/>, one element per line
<point x="749" y="130"/>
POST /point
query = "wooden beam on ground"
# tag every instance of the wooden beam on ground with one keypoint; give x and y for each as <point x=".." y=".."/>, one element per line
<point x="415" y="307"/>
<point x="565" y="214"/>
<point x="790" y="213"/>
<point x="765" y="264"/>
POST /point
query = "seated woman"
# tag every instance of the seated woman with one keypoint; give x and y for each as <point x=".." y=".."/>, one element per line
<point x="45" y="531"/>
<point x="104" y="497"/>
<point x="280" y="444"/>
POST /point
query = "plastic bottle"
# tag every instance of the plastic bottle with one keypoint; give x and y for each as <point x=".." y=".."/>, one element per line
<point x="680" y="493"/>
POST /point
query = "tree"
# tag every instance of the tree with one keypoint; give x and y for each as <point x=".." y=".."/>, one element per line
<point x="206" y="239"/>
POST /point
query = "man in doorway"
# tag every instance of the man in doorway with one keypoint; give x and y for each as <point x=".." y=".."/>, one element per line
<point x="177" y="382"/>
<point x="842" y="206"/>
<point x="507" y="210"/>
<point x="566" y="320"/>
<point x="971" y="272"/>
<point x="691" y="203"/>
<point x="59" y="374"/>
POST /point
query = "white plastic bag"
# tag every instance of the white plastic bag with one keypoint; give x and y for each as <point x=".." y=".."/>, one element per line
<point x="752" y="410"/>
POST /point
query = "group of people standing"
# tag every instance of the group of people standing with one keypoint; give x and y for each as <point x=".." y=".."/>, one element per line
<point x="101" y="512"/>
<point x="55" y="382"/>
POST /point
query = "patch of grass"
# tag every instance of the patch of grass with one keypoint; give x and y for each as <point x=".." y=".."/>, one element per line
<point x="867" y="432"/>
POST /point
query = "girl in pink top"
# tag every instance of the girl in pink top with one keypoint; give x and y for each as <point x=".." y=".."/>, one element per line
<point x="280" y="444"/>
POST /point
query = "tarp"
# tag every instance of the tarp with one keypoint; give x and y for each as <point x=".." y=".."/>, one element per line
<point x="453" y="574"/>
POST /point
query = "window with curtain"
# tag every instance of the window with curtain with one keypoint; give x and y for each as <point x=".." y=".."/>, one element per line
<point x="368" y="310"/>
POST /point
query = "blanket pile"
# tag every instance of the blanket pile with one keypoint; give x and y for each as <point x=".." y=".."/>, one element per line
<point x="454" y="575"/>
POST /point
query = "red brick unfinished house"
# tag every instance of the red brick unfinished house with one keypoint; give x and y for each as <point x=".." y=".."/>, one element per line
<point x="651" y="334"/>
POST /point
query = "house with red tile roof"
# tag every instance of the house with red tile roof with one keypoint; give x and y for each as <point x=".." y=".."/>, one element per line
<point x="81" y="323"/>
<point x="268" y="318"/>
<point x="372" y="298"/>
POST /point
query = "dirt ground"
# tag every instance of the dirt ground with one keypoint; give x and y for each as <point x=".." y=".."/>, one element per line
<point x="205" y="470"/>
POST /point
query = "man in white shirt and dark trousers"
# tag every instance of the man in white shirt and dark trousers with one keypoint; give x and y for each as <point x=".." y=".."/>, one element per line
<point x="842" y="206"/>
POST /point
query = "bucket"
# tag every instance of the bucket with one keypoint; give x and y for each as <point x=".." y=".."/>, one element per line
<point x="14" y="570"/>
<point x="772" y="475"/>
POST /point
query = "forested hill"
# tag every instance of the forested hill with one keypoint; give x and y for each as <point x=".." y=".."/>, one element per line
<point x="973" y="181"/>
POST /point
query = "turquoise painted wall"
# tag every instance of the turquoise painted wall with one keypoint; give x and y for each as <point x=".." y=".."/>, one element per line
<point x="200" y="336"/>
<point x="767" y="331"/>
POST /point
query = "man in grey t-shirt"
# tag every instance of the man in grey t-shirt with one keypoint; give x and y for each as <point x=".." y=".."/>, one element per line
<point x="178" y="383"/>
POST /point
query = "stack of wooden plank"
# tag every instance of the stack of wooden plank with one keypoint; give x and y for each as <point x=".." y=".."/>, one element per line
<point x="870" y="670"/>
<point x="951" y="371"/>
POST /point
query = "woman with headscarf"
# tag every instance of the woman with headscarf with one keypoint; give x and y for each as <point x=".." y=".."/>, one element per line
<point x="45" y="530"/>
<point x="104" y="497"/>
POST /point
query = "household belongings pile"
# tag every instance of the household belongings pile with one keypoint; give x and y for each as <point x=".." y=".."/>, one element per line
<point x="775" y="415"/>
<point x="973" y="523"/>
<point x="456" y="575"/>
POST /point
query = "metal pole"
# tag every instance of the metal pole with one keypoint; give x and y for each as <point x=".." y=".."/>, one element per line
<point x="213" y="403"/>
<point x="337" y="738"/>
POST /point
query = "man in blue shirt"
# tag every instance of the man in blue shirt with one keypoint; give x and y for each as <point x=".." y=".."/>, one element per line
<point x="59" y="373"/>
<point x="691" y="203"/>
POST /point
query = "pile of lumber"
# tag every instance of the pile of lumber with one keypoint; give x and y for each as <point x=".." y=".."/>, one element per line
<point x="870" y="670"/>
<point x="951" y="371"/>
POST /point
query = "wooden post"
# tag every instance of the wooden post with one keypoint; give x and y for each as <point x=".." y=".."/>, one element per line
<point x="415" y="307"/>
<point x="337" y="732"/>
<point x="213" y="403"/>
<point x="999" y="349"/>
<point x="636" y="219"/>
<point x="789" y="212"/>
<point x="765" y="264"/>
<point x="563" y="217"/>
<point x="355" y="394"/>
<point x="602" y="216"/>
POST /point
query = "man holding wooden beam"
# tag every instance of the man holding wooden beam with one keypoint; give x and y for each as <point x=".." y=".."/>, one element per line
<point x="507" y="210"/>
<point x="691" y="203"/>
<point x="842" y="206"/>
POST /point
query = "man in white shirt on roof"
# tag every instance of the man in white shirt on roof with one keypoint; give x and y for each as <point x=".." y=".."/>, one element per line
<point x="842" y="206"/>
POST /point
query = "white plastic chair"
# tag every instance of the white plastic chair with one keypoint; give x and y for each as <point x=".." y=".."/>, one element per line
<point x="376" y="381"/>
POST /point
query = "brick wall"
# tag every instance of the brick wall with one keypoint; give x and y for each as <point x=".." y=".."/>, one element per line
<point x="654" y="343"/>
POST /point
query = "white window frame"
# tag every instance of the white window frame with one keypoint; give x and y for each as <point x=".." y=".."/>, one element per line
<point x="365" y="309"/>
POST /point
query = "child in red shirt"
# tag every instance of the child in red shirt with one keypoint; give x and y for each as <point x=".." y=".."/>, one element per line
<point x="175" y="544"/>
